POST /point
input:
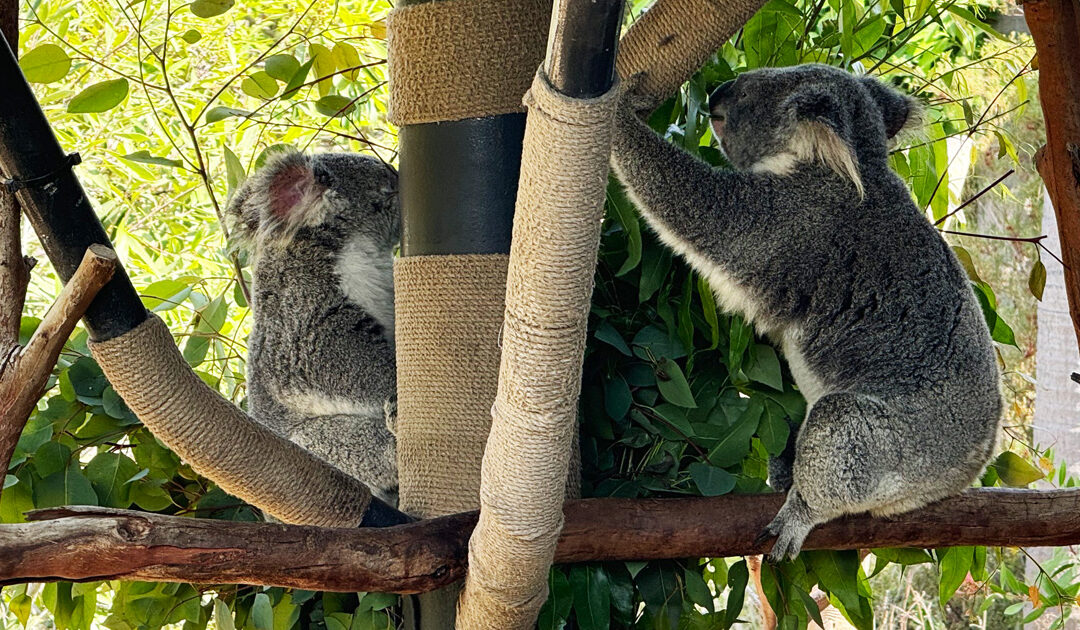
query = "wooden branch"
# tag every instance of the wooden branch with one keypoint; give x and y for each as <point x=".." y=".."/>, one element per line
<point x="1055" y="28"/>
<point x="88" y="543"/>
<point x="24" y="375"/>
<point x="14" y="270"/>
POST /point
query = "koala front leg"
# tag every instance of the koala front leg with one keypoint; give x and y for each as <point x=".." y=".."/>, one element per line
<point x="682" y="196"/>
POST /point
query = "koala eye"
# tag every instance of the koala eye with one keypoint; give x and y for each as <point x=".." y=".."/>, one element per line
<point x="322" y="175"/>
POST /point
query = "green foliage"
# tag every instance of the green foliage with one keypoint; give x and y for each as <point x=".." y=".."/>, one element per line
<point x="172" y="106"/>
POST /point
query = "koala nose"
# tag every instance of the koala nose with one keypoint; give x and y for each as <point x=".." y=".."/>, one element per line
<point x="721" y="93"/>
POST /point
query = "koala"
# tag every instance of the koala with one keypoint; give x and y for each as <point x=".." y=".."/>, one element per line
<point x="814" y="240"/>
<point x="321" y="230"/>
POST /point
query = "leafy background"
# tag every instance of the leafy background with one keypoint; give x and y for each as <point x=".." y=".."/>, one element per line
<point x="171" y="105"/>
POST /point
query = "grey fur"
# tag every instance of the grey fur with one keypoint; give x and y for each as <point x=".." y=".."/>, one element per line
<point x="869" y="305"/>
<point x="321" y="369"/>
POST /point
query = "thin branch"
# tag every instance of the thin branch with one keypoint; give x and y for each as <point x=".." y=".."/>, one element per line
<point x="976" y="196"/>
<point x="1035" y="240"/>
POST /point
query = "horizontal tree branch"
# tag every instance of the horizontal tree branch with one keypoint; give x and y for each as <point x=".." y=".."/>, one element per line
<point x="88" y="543"/>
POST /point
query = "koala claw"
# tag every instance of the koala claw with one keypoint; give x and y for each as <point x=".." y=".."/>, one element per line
<point x="790" y="527"/>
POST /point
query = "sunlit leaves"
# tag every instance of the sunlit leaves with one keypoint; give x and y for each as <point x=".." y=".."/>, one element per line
<point x="210" y="8"/>
<point x="260" y="85"/>
<point x="47" y="63"/>
<point x="144" y="157"/>
<point x="1015" y="471"/>
<point x="214" y="114"/>
<point x="100" y="97"/>
<point x="325" y="65"/>
<point x="347" y="60"/>
<point x="334" y="105"/>
<point x="281" y="67"/>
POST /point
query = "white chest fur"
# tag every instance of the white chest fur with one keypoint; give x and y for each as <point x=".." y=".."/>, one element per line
<point x="367" y="279"/>
<point x="737" y="298"/>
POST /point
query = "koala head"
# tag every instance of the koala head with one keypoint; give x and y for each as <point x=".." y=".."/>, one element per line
<point x="328" y="196"/>
<point x="775" y="118"/>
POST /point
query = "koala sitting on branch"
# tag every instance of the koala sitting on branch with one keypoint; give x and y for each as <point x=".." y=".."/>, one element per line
<point x="818" y="243"/>
<point x="321" y="230"/>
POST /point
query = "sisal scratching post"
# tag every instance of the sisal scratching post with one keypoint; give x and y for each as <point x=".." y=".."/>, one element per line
<point x="450" y="311"/>
<point x="549" y="287"/>
<point x="219" y="440"/>
<point x="458" y="70"/>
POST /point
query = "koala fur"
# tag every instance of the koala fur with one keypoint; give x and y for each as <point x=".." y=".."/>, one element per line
<point x="817" y="242"/>
<point x="321" y="230"/>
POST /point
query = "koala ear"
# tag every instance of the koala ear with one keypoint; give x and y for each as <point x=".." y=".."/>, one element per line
<point x="291" y="186"/>
<point x="276" y="201"/>
<point x="897" y="110"/>
<point x="814" y="105"/>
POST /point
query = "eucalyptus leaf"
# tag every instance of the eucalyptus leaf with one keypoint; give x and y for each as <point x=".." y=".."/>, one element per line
<point x="99" y="97"/>
<point x="47" y="63"/>
<point x="210" y="8"/>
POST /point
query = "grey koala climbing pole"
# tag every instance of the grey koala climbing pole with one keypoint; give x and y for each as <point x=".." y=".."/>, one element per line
<point x="560" y="205"/>
<point x="140" y="358"/>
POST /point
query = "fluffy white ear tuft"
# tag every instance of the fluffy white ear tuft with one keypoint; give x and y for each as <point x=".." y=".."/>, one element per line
<point x="816" y="141"/>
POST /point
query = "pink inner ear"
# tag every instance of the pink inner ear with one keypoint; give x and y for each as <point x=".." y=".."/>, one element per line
<point x="288" y="189"/>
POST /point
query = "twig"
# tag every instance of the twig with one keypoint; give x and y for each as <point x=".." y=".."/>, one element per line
<point x="977" y="195"/>
<point x="14" y="271"/>
<point x="1034" y="240"/>
<point x="23" y="379"/>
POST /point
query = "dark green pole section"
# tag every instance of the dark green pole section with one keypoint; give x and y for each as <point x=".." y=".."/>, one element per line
<point x="54" y="201"/>
<point x="57" y="208"/>
<point x="459" y="184"/>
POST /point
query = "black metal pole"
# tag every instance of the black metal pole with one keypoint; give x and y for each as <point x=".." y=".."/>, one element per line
<point x="54" y="201"/>
<point x="582" y="47"/>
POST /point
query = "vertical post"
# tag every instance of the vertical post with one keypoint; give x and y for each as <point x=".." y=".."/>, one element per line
<point x="458" y="183"/>
<point x="559" y="210"/>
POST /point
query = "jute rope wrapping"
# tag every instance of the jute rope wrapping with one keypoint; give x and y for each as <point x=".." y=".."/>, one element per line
<point x="675" y="37"/>
<point x="219" y="440"/>
<point x="449" y="314"/>
<point x="458" y="59"/>
<point x="549" y="286"/>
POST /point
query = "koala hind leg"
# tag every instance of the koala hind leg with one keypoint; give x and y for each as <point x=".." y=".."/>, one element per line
<point x="847" y="461"/>
<point x="360" y="446"/>
<point x="782" y="466"/>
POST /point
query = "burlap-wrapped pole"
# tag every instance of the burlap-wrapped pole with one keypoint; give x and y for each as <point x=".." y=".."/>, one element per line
<point x="220" y="441"/>
<point x="675" y="37"/>
<point x="549" y="287"/>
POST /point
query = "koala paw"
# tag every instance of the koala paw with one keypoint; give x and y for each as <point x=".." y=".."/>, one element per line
<point x="790" y="528"/>
<point x="390" y="415"/>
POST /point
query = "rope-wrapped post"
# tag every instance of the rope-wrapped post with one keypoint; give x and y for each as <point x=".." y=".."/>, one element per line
<point x="138" y="355"/>
<point x="458" y="70"/>
<point x="674" y="38"/>
<point x="557" y="222"/>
